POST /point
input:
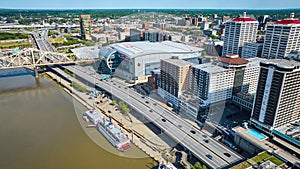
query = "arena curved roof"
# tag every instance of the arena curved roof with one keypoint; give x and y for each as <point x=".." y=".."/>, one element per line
<point x="137" y="49"/>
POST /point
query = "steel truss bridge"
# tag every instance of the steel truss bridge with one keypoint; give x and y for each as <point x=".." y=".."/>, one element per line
<point x="32" y="58"/>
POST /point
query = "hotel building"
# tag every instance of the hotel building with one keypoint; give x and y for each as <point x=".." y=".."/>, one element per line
<point x="278" y="94"/>
<point x="281" y="38"/>
<point x="237" y="32"/>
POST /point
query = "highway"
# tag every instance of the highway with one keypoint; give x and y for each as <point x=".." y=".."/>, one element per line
<point x="174" y="132"/>
<point x="216" y="148"/>
<point x="175" y="127"/>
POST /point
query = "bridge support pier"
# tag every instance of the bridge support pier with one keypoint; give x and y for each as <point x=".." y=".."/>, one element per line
<point x="36" y="73"/>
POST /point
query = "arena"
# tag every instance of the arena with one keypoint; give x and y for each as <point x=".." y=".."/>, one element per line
<point x="133" y="61"/>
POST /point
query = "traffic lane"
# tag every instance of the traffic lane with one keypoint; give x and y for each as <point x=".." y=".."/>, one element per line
<point x="170" y="129"/>
<point x="200" y="136"/>
<point x="186" y="127"/>
<point x="174" y="132"/>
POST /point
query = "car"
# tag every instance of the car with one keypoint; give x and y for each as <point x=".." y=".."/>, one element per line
<point x="125" y="88"/>
<point x="206" y="141"/>
<point x="143" y="97"/>
<point x="227" y="154"/>
<point x="109" y="111"/>
<point x="146" y="102"/>
<point x="96" y="82"/>
<point x="209" y="156"/>
<point x="154" y="104"/>
<point x="119" y="86"/>
<point x="150" y="110"/>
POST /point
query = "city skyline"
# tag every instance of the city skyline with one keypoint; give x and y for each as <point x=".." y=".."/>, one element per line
<point x="147" y="4"/>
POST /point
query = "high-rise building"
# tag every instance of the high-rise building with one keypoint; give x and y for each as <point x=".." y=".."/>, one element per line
<point x="219" y="81"/>
<point x="145" y="26"/>
<point x="237" y="32"/>
<point x="151" y="36"/>
<point x="225" y="18"/>
<point x="281" y="38"/>
<point x="211" y="83"/>
<point x="278" y="94"/>
<point x="195" y="21"/>
<point x="85" y="26"/>
<point x="135" y="35"/>
<point x="252" y="49"/>
<point x="174" y="78"/>
<point x="204" y="25"/>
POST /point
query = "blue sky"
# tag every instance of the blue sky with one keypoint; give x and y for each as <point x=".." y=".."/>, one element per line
<point x="182" y="4"/>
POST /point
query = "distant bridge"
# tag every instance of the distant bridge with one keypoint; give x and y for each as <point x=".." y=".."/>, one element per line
<point x="32" y="58"/>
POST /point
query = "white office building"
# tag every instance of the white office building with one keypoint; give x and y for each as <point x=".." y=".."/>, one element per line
<point x="237" y="32"/>
<point x="211" y="83"/>
<point x="219" y="81"/>
<point x="251" y="50"/>
<point x="281" y="38"/>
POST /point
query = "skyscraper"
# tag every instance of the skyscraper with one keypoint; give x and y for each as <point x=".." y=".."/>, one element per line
<point x="174" y="78"/>
<point x="281" y="38"/>
<point x="85" y="26"/>
<point x="278" y="94"/>
<point x="237" y="32"/>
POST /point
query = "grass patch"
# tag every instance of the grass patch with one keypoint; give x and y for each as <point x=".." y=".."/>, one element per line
<point x="260" y="158"/>
<point x="69" y="73"/>
<point x="243" y="165"/>
<point x="14" y="45"/>
<point x="11" y="36"/>
<point x="79" y="87"/>
<point x="275" y="160"/>
<point x="58" y="39"/>
<point x="45" y="75"/>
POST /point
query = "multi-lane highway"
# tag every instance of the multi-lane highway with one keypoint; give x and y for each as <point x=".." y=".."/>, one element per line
<point x="144" y="104"/>
<point x="180" y="130"/>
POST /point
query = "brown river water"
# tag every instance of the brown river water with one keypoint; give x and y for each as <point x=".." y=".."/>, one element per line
<point x="39" y="130"/>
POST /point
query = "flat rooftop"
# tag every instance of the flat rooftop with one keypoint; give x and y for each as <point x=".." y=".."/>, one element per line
<point x="178" y="62"/>
<point x="133" y="48"/>
<point x="283" y="63"/>
<point x="211" y="68"/>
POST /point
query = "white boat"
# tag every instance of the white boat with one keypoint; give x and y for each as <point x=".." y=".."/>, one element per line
<point x="114" y="135"/>
<point x="93" y="116"/>
<point x="168" y="165"/>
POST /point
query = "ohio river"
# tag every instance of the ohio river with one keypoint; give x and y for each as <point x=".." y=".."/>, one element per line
<point x="39" y="130"/>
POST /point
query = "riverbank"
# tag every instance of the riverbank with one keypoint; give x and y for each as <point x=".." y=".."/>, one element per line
<point x="40" y="129"/>
<point x="138" y="138"/>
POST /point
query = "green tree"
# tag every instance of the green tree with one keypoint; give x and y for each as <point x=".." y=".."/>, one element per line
<point x="124" y="107"/>
<point x="79" y="87"/>
<point x="113" y="102"/>
<point x="197" y="165"/>
<point x="203" y="53"/>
